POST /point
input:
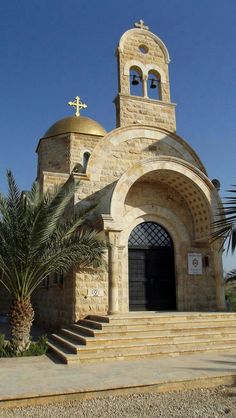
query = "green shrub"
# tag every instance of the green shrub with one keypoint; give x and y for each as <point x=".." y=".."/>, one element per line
<point x="3" y="346"/>
<point x="230" y="293"/>
<point x="35" y="349"/>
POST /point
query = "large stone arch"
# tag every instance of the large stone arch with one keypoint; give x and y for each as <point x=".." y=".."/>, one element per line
<point x="122" y="220"/>
<point x="165" y="217"/>
<point x="103" y="153"/>
<point x="196" y="188"/>
<point x="181" y="240"/>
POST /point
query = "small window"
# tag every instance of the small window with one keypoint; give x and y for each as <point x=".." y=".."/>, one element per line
<point x="86" y="157"/>
<point x="143" y="49"/>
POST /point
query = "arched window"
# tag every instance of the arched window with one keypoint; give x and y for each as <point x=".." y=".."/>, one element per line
<point x="154" y="85"/>
<point x="136" y="81"/>
<point x="86" y="156"/>
<point x="149" y="235"/>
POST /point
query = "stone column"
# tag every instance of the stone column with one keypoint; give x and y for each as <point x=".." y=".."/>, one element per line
<point x="181" y="276"/>
<point x="113" y="275"/>
<point x="145" y="86"/>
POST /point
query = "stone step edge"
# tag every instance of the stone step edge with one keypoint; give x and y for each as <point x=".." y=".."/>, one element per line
<point x="76" y="348"/>
<point x="171" y="332"/>
<point x="89" y="330"/>
<point x="83" y="329"/>
<point x="154" y="344"/>
<point x="94" y="339"/>
<point x="131" y="355"/>
<point x="68" y="357"/>
<point x="140" y="356"/>
<point x="65" y="343"/>
<point x="58" y="351"/>
<point x="192" y="315"/>
<point x="156" y="322"/>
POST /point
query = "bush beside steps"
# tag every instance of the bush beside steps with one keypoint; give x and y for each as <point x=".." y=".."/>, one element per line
<point x="36" y="348"/>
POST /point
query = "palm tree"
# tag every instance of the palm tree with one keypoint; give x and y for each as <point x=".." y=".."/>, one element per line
<point x="225" y="227"/>
<point x="37" y="238"/>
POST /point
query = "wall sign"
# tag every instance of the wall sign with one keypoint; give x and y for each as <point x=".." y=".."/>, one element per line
<point x="195" y="263"/>
<point x="95" y="291"/>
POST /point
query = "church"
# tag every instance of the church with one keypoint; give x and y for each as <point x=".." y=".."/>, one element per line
<point x="154" y="201"/>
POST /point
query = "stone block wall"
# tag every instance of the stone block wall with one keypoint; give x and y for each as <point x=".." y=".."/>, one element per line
<point x="91" y="291"/>
<point x="50" y="180"/>
<point x="140" y="110"/>
<point x="54" y="154"/>
<point x="54" y="303"/>
<point x="142" y="51"/>
<point x="60" y="154"/>
<point x="129" y="53"/>
<point x="79" y="144"/>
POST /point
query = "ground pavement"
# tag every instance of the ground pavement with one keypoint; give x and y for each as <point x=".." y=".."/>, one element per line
<point x="38" y="380"/>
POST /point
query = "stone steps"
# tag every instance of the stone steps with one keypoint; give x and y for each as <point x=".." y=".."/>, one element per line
<point x="160" y="317"/>
<point x="159" y="336"/>
<point x="122" y="345"/>
<point x="122" y="342"/>
<point x="154" y="325"/>
<point x="152" y="329"/>
<point x="156" y="352"/>
<point x="141" y="336"/>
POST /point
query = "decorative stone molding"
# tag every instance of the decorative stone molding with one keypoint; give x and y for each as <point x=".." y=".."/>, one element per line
<point x="151" y="35"/>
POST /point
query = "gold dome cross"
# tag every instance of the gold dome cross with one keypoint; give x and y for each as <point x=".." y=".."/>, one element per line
<point x="77" y="104"/>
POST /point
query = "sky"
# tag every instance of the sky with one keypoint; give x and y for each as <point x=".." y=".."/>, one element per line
<point x="54" y="50"/>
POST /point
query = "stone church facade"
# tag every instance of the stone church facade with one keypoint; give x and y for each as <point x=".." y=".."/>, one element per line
<point x="155" y="202"/>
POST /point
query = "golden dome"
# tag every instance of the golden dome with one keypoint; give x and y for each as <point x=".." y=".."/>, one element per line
<point x="75" y="124"/>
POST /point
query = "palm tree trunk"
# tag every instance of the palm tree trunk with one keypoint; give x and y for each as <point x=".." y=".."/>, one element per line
<point x="21" y="319"/>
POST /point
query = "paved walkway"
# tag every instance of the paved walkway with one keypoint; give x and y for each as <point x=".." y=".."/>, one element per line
<point x="38" y="377"/>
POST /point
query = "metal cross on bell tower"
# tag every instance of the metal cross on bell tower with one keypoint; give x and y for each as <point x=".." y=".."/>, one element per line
<point x="77" y="104"/>
<point x="141" y="25"/>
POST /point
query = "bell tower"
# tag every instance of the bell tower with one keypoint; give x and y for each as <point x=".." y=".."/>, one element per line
<point x="143" y="80"/>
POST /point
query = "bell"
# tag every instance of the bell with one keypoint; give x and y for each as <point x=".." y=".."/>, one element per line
<point x="135" y="82"/>
<point x="153" y="84"/>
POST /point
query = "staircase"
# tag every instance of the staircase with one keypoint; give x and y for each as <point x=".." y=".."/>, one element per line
<point x="144" y="335"/>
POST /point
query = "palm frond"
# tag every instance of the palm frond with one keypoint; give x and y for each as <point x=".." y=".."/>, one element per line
<point x="230" y="276"/>
<point x="224" y="227"/>
<point x="39" y="235"/>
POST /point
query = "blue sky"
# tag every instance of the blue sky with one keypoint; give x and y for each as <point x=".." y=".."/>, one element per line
<point x="53" y="50"/>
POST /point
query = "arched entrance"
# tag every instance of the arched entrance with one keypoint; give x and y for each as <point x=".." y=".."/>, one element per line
<point x="151" y="269"/>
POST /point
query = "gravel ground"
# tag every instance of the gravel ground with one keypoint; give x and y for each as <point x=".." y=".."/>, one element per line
<point x="202" y="403"/>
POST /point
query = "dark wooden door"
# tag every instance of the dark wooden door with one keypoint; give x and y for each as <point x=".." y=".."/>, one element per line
<point x="161" y="293"/>
<point x="151" y="275"/>
<point x="137" y="280"/>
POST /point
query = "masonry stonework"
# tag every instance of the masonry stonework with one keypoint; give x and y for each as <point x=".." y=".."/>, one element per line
<point x="140" y="172"/>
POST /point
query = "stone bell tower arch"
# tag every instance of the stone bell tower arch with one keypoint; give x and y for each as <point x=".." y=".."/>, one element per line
<point x="142" y="54"/>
